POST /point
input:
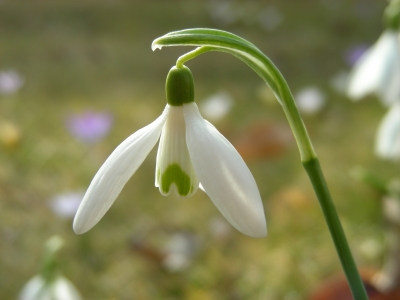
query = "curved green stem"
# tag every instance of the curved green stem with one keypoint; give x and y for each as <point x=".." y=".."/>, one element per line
<point x="317" y="179"/>
<point x="190" y="55"/>
<point x="217" y="40"/>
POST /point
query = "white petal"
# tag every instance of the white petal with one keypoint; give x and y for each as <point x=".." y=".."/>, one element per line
<point x="389" y="87"/>
<point x="115" y="172"/>
<point x="33" y="288"/>
<point x="60" y="289"/>
<point x="378" y="70"/>
<point x="388" y="137"/>
<point x="224" y="175"/>
<point x="174" y="171"/>
<point x="63" y="289"/>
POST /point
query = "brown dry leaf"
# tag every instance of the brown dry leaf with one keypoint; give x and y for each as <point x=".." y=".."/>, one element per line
<point x="263" y="140"/>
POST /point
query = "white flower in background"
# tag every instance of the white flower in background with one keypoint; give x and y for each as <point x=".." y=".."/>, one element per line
<point x="50" y="284"/>
<point x="65" y="205"/>
<point x="191" y="151"/>
<point x="310" y="100"/>
<point x="59" y="289"/>
<point x="378" y="70"/>
<point x="10" y="82"/>
<point x="388" y="137"/>
<point x="179" y="251"/>
<point x="217" y="106"/>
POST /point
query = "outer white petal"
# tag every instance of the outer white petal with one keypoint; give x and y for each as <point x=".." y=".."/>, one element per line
<point x="60" y="289"/>
<point x="377" y="70"/>
<point x="389" y="87"/>
<point x="388" y="137"/>
<point x="33" y="288"/>
<point x="63" y="289"/>
<point x="224" y="175"/>
<point x="115" y="172"/>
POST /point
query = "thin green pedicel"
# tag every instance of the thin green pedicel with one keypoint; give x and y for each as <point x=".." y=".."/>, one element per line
<point x="175" y="174"/>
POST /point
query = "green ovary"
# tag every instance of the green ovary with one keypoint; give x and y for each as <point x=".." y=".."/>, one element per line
<point x="175" y="174"/>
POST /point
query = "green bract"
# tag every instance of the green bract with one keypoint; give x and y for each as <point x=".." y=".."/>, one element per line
<point x="392" y="15"/>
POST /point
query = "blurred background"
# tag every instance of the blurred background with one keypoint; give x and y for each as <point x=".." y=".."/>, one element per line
<point x="78" y="77"/>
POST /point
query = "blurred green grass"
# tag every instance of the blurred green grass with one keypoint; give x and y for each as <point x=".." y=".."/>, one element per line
<point x="76" y="55"/>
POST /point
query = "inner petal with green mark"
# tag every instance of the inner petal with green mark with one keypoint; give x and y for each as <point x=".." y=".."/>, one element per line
<point x="174" y="171"/>
<point x="175" y="175"/>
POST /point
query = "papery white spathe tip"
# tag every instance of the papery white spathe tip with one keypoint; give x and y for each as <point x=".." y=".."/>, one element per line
<point x="388" y="137"/>
<point x="224" y="175"/>
<point x="115" y="172"/>
<point x="378" y="70"/>
<point x="155" y="46"/>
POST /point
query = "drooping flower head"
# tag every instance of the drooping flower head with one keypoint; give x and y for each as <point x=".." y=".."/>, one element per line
<point x="378" y="70"/>
<point x="49" y="284"/>
<point x="191" y="154"/>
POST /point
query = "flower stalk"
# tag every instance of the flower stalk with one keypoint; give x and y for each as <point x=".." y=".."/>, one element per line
<point x="215" y="40"/>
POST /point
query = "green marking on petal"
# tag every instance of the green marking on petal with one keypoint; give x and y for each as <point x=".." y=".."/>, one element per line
<point x="175" y="174"/>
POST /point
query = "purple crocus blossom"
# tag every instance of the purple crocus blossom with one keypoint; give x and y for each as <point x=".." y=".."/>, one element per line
<point x="354" y="53"/>
<point x="89" y="126"/>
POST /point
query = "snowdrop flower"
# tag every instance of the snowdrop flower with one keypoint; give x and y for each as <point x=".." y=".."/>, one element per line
<point x="388" y="137"/>
<point x="50" y="284"/>
<point x="191" y="151"/>
<point x="59" y="289"/>
<point x="378" y="70"/>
